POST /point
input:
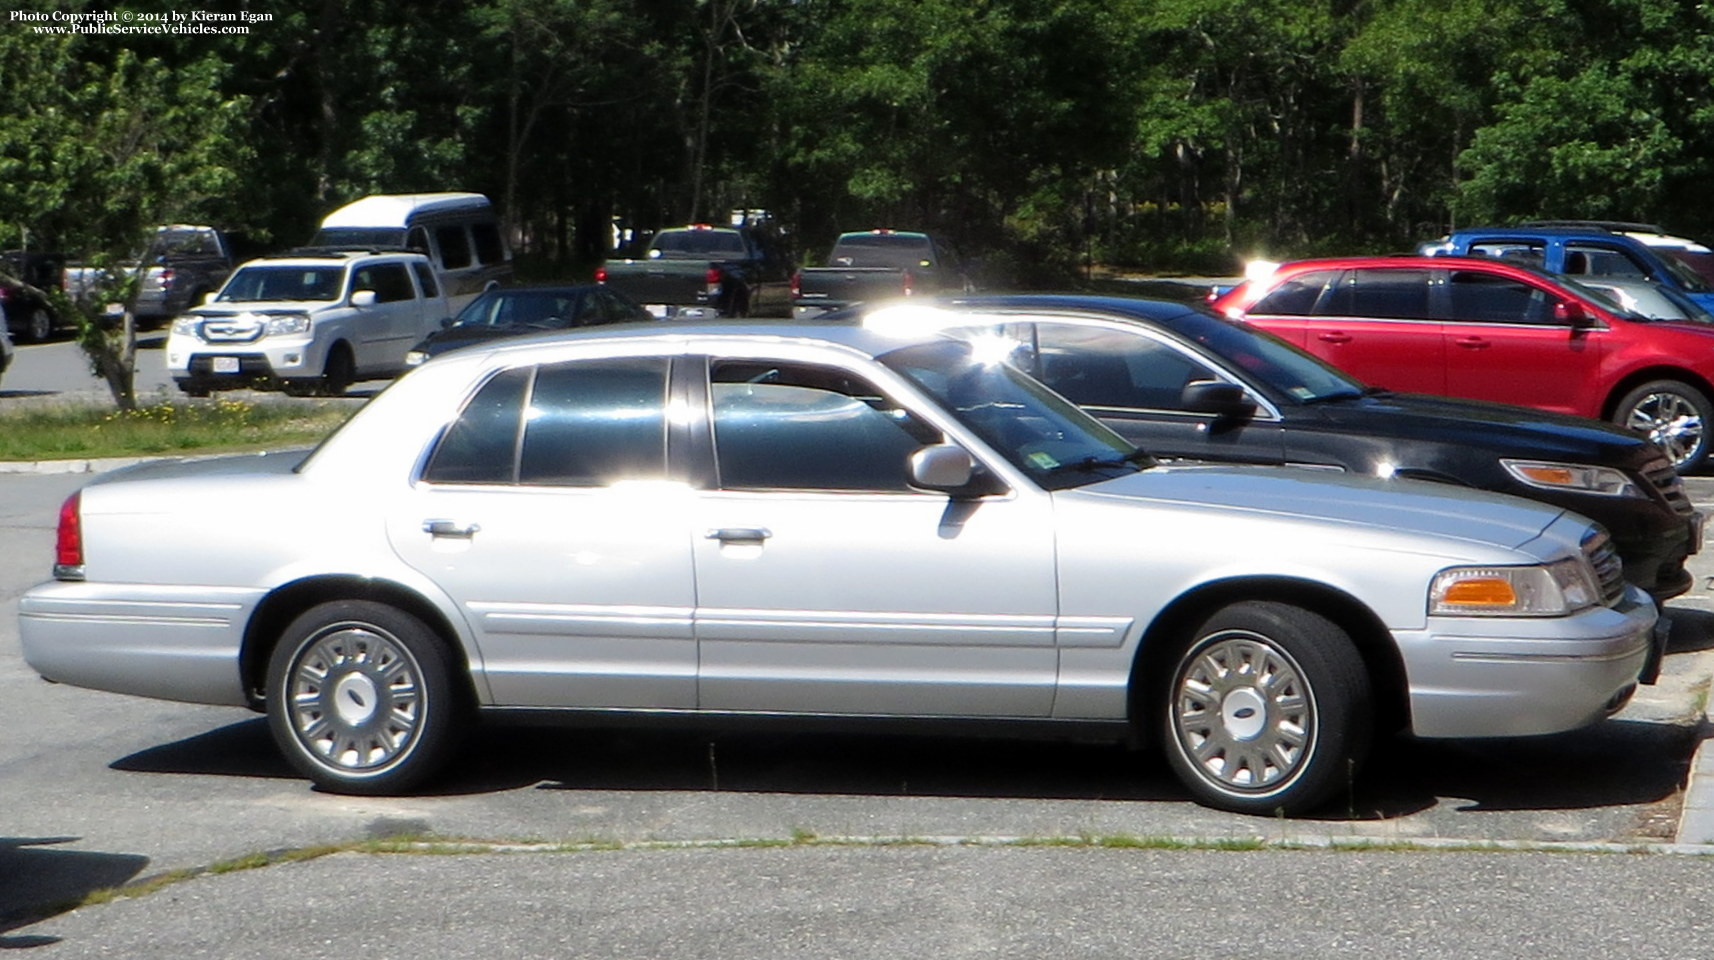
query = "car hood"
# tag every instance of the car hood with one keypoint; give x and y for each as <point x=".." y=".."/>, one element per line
<point x="1504" y="429"/>
<point x="453" y="337"/>
<point x="215" y="311"/>
<point x="1402" y="511"/>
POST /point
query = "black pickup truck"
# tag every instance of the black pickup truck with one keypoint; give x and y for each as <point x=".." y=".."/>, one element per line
<point x="877" y="265"/>
<point x="705" y="271"/>
<point x="182" y="263"/>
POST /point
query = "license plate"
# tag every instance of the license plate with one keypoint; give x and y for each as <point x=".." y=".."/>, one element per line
<point x="656" y="309"/>
<point x="225" y="364"/>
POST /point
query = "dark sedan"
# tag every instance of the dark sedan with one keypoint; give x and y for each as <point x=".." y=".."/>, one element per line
<point x="519" y="311"/>
<point x="1181" y="382"/>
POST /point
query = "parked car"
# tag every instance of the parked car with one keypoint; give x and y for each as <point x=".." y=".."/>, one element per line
<point x="1182" y="383"/>
<point x="1578" y="252"/>
<point x="1492" y="329"/>
<point x="183" y="264"/>
<point x="307" y="324"/>
<point x="25" y="279"/>
<point x="521" y="311"/>
<point x="877" y="265"/>
<point x="1693" y="254"/>
<point x="6" y="352"/>
<point x="702" y="271"/>
<point x="813" y="524"/>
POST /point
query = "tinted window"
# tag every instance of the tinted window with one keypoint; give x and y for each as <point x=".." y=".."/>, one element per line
<point x="481" y="445"/>
<point x="1108" y="368"/>
<point x="809" y="428"/>
<point x="489" y="249"/>
<point x="1296" y="297"/>
<point x="425" y="279"/>
<point x="1532" y="254"/>
<point x="1486" y="298"/>
<point x="1597" y="261"/>
<point x="593" y="423"/>
<point x="454" y="247"/>
<point x="390" y="281"/>
<point x="883" y="250"/>
<point x="1384" y="294"/>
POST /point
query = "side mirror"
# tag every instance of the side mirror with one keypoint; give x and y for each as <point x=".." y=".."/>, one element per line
<point x="1217" y="397"/>
<point x="1573" y="314"/>
<point x="943" y="466"/>
<point x="205" y="299"/>
<point x="446" y="322"/>
<point x="363" y="298"/>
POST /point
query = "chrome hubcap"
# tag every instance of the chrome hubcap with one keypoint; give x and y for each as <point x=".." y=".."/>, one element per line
<point x="1242" y="713"/>
<point x="356" y="702"/>
<point x="1671" y="421"/>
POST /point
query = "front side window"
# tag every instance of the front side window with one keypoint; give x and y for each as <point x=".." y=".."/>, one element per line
<point x="587" y="423"/>
<point x="1529" y="253"/>
<point x="1107" y="368"/>
<point x="781" y="426"/>
<point x="390" y="281"/>
<point x="1488" y="298"/>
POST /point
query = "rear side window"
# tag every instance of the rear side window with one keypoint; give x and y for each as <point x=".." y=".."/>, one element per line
<point x="1296" y="296"/>
<point x="581" y="424"/>
<point x="489" y="248"/>
<point x="454" y="246"/>
<point x="425" y="279"/>
<point x="1487" y="298"/>
<point x="786" y="427"/>
<point x="1531" y="254"/>
<point x="1383" y="294"/>
<point x="1597" y="261"/>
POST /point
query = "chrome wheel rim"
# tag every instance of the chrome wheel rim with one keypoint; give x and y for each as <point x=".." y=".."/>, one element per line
<point x="1242" y="714"/>
<point x="1671" y="421"/>
<point x="356" y="701"/>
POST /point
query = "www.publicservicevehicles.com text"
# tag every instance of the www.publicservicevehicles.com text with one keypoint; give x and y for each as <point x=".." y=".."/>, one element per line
<point x="137" y="21"/>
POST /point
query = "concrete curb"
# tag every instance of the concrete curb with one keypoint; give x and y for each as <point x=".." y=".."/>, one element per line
<point x="69" y="466"/>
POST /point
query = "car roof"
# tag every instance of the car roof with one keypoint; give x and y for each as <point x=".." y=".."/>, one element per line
<point x="327" y="257"/>
<point x="396" y="210"/>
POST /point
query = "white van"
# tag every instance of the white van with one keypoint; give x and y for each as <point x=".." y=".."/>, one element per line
<point x="458" y="232"/>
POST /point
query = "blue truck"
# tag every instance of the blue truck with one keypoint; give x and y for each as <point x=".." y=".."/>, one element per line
<point x="1578" y="251"/>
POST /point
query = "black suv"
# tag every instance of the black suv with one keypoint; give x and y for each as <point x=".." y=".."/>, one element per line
<point x="1181" y="382"/>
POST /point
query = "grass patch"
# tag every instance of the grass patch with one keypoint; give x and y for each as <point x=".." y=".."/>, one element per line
<point x="82" y="432"/>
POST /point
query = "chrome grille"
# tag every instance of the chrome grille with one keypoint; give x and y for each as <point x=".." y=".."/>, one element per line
<point x="1666" y="481"/>
<point x="1609" y="571"/>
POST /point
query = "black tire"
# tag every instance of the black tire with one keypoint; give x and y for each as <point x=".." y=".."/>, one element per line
<point x="1675" y="415"/>
<point x="1267" y="710"/>
<point x="361" y="698"/>
<point x="339" y="373"/>
<point x="193" y="389"/>
<point x="40" y="326"/>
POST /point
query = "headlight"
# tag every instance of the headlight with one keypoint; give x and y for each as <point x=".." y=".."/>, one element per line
<point x="415" y="358"/>
<point x="1549" y="590"/>
<point x="287" y="324"/>
<point x="186" y="326"/>
<point x="1604" y="481"/>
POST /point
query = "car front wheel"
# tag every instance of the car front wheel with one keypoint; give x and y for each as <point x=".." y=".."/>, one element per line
<point x="1267" y="710"/>
<point x="1675" y="415"/>
<point x="41" y="324"/>
<point x="361" y="698"/>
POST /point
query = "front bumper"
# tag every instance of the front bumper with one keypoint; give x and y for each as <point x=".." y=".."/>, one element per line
<point x="1480" y="677"/>
<point x="214" y="366"/>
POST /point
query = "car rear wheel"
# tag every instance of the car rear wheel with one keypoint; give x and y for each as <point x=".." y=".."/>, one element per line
<point x="1675" y="415"/>
<point x="361" y="698"/>
<point x="1267" y="710"/>
<point x="41" y="325"/>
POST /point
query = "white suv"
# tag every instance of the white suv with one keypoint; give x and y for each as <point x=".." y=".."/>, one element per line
<point x="310" y="323"/>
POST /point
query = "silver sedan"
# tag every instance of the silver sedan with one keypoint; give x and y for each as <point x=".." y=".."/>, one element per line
<point x="829" y="522"/>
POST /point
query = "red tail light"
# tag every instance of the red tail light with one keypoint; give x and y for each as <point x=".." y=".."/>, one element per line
<point x="712" y="277"/>
<point x="910" y="283"/>
<point x="600" y="274"/>
<point x="68" y="543"/>
<point x="797" y="284"/>
<point x="166" y="278"/>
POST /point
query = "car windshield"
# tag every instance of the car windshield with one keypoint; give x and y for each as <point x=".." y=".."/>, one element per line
<point x="1268" y="359"/>
<point x="256" y="284"/>
<point x="1035" y="429"/>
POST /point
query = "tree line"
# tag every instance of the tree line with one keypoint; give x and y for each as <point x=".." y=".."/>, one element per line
<point x="1040" y="135"/>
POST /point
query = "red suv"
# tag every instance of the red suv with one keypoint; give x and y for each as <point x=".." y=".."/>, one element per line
<point x="1490" y="329"/>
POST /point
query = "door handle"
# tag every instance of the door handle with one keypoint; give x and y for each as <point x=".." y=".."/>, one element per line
<point x="450" y="528"/>
<point x="1334" y="337"/>
<point x="1472" y="343"/>
<point x="739" y="534"/>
